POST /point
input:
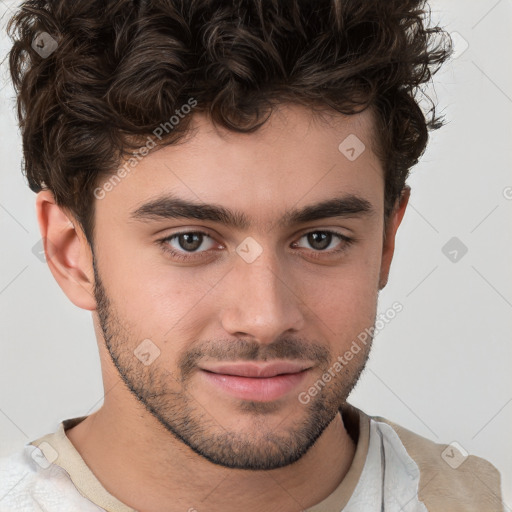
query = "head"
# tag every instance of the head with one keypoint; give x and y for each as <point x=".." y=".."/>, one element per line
<point x="222" y="184"/>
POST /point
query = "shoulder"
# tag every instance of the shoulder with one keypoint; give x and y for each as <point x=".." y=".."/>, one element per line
<point x="18" y="479"/>
<point x="27" y="485"/>
<point x="450" y="478"/>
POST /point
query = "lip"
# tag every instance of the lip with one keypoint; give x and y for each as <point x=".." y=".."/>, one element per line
<point x="260" y="383"/>
<point x="257" y="370"/>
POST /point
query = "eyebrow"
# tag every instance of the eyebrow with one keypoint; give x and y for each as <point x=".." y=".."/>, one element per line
<point x="170" y="207"/>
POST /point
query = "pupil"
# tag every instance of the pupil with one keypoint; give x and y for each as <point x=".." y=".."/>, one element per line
<point x="190" y="245"/>
<point x="325" y="239"/>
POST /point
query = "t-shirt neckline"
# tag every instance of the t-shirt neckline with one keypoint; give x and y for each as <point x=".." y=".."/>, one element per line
<point x="87" y="484"/>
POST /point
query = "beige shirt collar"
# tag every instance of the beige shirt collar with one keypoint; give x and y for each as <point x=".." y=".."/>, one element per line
<point x="68" y="458"/>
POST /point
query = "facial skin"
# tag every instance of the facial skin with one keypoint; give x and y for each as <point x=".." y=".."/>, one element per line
<point x="164" y="427"/>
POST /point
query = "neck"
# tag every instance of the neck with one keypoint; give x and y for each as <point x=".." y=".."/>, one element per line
<point x="144" y="466"/>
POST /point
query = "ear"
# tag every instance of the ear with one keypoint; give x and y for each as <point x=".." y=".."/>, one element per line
<point x="388" y="247"/>
<point x="67" y="251"/>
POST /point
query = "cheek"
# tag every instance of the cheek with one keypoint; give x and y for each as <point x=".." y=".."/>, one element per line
<point x="164" y="303"/>
<point x="345" y="297"/>
<point x="344" y="308"/>
<point x="351" y="287"/>
<point x="150" y="295"/>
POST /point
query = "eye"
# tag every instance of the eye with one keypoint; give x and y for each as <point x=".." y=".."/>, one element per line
<point x="187" y="243"/>
<point x="321" y="240"/>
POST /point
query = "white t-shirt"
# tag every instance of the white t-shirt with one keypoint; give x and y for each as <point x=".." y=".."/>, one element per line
<point x="393" y="470"/>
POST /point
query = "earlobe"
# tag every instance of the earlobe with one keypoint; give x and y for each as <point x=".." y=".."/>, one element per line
<point x="388" y="248"/>
<point x="67" y="252"/>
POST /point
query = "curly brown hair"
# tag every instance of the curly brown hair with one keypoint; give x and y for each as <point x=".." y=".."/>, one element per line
<point x="119" y="68"/>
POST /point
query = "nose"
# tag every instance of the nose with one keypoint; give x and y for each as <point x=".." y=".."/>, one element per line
<point x="261" y="300"/>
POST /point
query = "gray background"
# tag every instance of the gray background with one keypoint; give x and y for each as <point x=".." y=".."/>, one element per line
<point x="441" y="368"/>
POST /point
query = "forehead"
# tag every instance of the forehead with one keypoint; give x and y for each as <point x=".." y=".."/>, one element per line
<point x="296" y="158"/>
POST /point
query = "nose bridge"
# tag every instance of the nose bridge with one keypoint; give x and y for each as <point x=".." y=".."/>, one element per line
<point x="259" y="299"/>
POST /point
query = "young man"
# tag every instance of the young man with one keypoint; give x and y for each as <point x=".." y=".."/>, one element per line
<point x="221" y="185"/>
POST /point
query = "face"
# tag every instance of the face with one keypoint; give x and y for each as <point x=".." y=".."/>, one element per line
<point x="219" y="318"/>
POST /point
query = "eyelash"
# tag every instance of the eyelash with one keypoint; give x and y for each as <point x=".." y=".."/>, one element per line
<point x="190" y="256"/>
